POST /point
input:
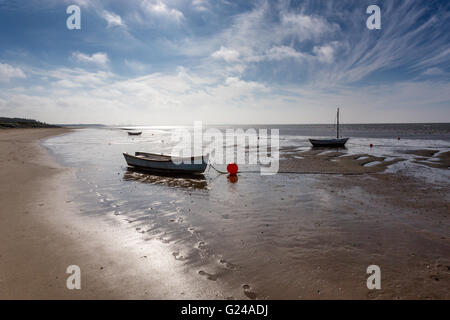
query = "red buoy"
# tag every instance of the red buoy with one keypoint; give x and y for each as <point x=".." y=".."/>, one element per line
<point x="232" y="169"/>
<point x="371" y="145"/>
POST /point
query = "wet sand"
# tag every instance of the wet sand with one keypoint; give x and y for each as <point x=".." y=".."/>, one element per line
<point x="324" y="161"/>
<point x="430" y="159"/>
<point x="295" y="237"/>
<point x="41" y="234"/>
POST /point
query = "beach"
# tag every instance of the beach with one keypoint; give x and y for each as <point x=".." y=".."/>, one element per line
<point x="41" y="235"/>
<point x="68" y="199"/>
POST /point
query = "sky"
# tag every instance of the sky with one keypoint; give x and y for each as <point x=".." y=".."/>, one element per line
<point x="172" y="62"/>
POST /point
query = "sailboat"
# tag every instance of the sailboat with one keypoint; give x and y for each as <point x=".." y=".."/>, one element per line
<point x="330" y="143"/>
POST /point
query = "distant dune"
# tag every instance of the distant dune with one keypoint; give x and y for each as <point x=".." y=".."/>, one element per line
<point x="23" y="123"/>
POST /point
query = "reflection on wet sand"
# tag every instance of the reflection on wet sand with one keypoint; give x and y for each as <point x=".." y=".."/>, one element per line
<point x="286" y="236"/>
<point x="170" y="180"/>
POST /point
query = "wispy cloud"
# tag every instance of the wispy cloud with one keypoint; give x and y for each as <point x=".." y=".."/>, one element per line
<point x="8" y="72"/>
<point x="228" y="55"/>
<point x="266" y="61"/>
<point x="99" y="59"/>
<point x="200" y="5"/>
<point x="112" y="19"/>
<point x="183" y="97"/>
<point x="434" y="72"/>
<point x="282" y="52"/>
<point x="158" y="7"/>
<point x="325" y="53"/>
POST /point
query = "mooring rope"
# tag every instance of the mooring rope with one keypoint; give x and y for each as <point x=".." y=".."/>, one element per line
<point x="290" y="172"/>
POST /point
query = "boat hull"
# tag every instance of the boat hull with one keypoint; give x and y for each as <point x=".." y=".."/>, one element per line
<point x="159" y="163"/>
<point x="329" y="143"/>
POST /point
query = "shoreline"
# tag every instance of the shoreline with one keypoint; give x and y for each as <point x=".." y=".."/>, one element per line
<point x="377" y="217"/>
<point x="41" y="234"/>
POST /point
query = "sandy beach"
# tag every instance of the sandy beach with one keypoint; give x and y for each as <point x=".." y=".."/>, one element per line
<point x="41" y="235"/>
<point x="139" y="236"/>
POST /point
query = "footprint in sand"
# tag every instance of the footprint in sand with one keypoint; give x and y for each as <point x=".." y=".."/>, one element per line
<point x="249" y="294"/>
<point x="177" y="256"/>
<point x="201" y="245"/>
<point x="164" y="240"/>
<point x="227" y="264"/>
<point x="209" y="276"/>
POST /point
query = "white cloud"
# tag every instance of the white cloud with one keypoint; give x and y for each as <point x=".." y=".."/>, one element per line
<point x="252" y="38"/>
<point x="304" y="27"/>
<point x="159" y="8"/>
<point x="112" y="19"/>
<point x="324" y="53"/>
<point x="229" y="55"/>
<point x="283" y="52"/>
<point x="100" y="59"/>
<point x="184" y="96"/>
<point x="76" y="78"/>
<point x="8" y="72"/>
<point x="200" y="5"/>
<point x="218" y="91"/>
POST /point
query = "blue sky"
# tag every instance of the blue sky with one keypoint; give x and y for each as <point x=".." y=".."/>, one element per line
<point x="223" y="61"/>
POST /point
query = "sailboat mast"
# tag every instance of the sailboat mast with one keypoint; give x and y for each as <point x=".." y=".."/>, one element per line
<point x="337" y="127"/>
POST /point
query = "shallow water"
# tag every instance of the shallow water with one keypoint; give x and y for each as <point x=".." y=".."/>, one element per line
<point x="258" y="232"/>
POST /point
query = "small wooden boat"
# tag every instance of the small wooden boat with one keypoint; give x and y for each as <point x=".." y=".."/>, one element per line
<point x="330" y="143"/>
<point x="168" y="164"/>
<point x="136" y="133"/>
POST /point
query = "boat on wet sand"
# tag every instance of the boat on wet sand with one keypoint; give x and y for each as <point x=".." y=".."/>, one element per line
<point x="135" y="133"/>
<point x="165" y="163"/>
<point x="330" y="143"/>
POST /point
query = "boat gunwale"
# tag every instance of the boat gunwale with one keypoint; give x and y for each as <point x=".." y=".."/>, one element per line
<point x="168" y="158"/>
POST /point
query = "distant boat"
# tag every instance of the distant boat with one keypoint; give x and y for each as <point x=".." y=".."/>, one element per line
<point x="164" y="163"/>
<point x="138" y="133"/>
<point x="330" y="143"/>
